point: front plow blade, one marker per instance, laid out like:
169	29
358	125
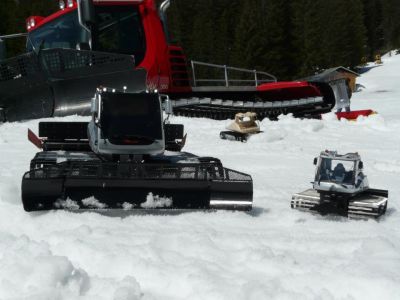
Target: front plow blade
136	186
371	203
60	82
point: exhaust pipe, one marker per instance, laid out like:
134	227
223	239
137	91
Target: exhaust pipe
163	15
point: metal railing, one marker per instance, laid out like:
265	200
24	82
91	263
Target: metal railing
226	81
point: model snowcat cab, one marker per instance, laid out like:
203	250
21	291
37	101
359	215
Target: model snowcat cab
244	125
121	160
340	173
91	43
340	186
126	124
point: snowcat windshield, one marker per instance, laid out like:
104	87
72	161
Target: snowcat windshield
338	171
127	119
63	32
118	30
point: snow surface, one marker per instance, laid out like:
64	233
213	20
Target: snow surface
271	253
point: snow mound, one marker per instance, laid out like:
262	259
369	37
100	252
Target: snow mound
30	270
67	204
93	203
156	201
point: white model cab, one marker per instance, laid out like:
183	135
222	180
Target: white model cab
341	187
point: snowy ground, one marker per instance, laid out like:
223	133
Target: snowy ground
271	253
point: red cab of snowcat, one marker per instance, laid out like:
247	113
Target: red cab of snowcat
165	64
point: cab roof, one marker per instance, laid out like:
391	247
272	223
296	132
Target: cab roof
335	155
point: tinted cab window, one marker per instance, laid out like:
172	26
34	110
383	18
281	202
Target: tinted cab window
63	32
119	30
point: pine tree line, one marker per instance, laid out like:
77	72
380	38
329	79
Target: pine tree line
289	38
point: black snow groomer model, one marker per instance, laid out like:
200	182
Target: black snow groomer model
126	157
341	187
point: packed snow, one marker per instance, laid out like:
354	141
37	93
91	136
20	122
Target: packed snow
155	201
273	252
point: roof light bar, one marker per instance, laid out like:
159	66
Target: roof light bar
33	22
61	4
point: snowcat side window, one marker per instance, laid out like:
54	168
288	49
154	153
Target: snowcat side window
338	171
63	32
119	30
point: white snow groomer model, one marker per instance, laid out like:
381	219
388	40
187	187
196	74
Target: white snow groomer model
341	187
119	161
242	128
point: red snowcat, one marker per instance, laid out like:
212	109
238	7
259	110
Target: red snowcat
92	43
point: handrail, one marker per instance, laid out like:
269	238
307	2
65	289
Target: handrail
226	80
12	36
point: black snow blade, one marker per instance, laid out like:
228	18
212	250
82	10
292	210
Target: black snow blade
88	185
59	82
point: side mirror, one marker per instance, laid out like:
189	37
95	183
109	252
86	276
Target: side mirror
94	106
169	110
86	12
315	161
360	165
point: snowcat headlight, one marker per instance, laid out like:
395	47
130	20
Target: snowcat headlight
30	23
70	3
61	3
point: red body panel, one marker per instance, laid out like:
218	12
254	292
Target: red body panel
353	115
286	90
34	139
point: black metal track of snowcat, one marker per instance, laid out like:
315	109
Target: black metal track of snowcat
223	113
222	105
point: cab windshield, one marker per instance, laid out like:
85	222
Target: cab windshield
118	30
132	118
63	32
337	171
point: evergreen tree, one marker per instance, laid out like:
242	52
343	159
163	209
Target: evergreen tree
373	21
275	39
8	9
248	49
313	51
391	23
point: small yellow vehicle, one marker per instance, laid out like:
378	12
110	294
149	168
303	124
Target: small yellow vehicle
245	125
